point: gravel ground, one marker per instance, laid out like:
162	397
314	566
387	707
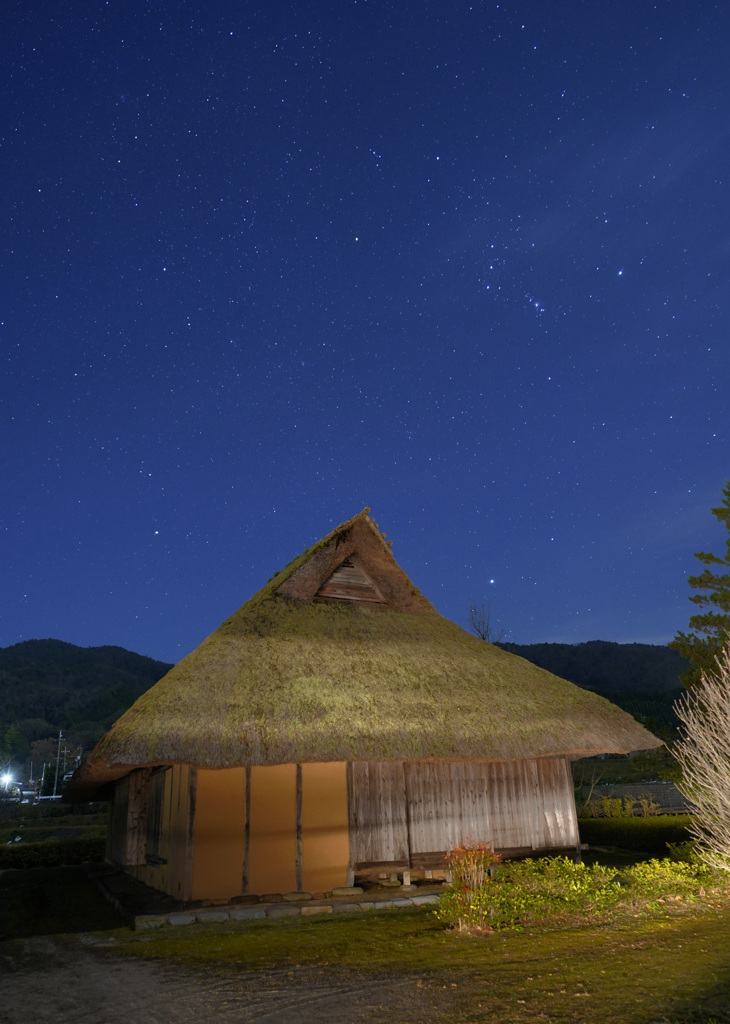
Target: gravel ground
60	980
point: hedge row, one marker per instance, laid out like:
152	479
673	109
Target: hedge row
645	835
32	834
55	852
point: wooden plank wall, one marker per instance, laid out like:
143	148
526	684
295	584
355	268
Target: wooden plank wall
157	874
178	835
378	813
172	868
139	787
128	824
447	804
412	814
116	843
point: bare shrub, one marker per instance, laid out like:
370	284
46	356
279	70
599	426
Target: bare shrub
704	756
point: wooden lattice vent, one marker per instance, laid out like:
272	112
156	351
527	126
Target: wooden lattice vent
349	583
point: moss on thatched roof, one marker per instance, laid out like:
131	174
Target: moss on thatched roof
290	678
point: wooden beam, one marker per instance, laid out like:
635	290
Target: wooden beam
375	866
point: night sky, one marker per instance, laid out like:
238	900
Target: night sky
266	264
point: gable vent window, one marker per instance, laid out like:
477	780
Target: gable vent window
349	583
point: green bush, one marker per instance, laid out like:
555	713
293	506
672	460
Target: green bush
646	835
82	850
683	852
472	862
655	880
555	888
530	890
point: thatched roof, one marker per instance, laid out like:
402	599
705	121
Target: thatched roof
340	657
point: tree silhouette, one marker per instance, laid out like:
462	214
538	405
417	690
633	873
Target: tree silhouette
711	627
480	623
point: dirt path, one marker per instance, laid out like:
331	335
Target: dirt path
60	981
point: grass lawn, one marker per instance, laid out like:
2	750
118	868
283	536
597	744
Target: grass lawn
665	966
649	968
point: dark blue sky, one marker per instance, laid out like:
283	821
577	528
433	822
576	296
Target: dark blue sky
265	264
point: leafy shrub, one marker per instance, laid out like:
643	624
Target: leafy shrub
555	889
620	807
683	852
648	835
656	880
81	850
531	890
472	863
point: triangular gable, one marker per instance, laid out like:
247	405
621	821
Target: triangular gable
373	575
350	583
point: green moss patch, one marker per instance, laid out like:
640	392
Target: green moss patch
643	969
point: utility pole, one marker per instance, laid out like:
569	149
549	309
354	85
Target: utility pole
58	758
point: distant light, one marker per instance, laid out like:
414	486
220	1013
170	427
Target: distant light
6	779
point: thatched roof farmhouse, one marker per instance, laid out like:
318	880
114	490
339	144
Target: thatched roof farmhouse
337	725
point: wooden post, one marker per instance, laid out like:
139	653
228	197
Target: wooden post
350	825
298	874
246	832
187	884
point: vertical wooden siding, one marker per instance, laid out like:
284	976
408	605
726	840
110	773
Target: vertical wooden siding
378	813
130	817
116	840
128	834
177	832
172	874
398	812
446	803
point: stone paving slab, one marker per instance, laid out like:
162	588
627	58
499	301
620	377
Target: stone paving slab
246	914
130	896
210	916
181	918
278	911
